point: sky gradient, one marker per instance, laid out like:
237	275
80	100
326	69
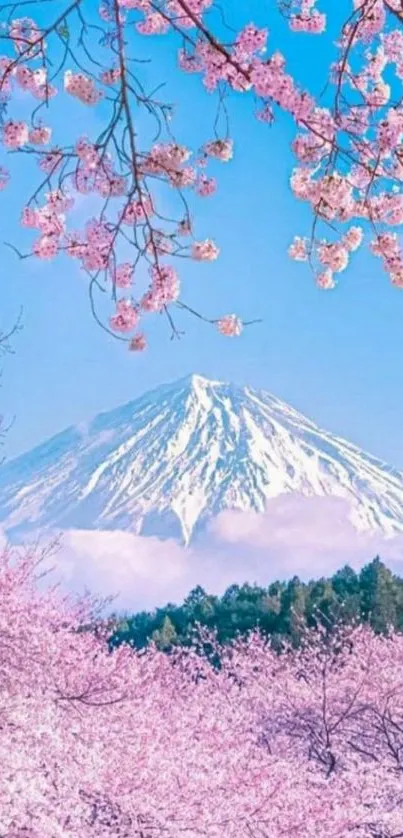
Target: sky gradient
336	357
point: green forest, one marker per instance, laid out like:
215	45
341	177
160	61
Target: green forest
281	611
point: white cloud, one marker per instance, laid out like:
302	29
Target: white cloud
140	570
310	537
307	536
290	520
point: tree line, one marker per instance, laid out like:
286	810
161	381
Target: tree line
282	610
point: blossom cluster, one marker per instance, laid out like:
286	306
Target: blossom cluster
348	148
366	136
303	16
302	742
104	169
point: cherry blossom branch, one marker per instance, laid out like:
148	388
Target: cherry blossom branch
348	152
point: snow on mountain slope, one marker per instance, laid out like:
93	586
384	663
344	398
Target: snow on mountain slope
168	461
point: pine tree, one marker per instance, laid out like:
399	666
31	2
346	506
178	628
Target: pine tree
378	596
166	636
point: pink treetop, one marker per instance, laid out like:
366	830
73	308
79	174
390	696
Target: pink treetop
307	744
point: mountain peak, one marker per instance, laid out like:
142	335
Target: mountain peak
167	462
196	380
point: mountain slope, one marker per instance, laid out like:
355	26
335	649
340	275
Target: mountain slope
182	453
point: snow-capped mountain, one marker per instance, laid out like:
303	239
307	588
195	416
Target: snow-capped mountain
170	460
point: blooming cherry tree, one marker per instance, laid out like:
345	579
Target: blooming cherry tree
348	149
304	744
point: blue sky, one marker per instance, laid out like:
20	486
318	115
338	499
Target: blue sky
338	357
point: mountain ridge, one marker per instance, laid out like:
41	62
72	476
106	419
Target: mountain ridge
168	461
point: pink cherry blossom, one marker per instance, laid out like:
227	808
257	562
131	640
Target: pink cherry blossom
59	201
126	317
184	227
189	63
205	251
110	76
29	217
40	135
82	87
220	149
396	278
325	280
298	249
25	35
353	238
265	114
49	221
24	77
206	185
313	22
164	289
76	245
123	275
141	5
249	41
138	343
230	325
50	162
46	247
334	255
153	24
15	134
110	185
138	210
